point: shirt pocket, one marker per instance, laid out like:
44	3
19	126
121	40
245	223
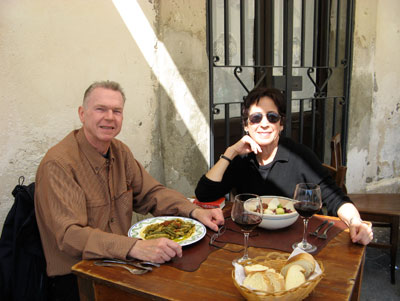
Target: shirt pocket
123	203
123	210
98	211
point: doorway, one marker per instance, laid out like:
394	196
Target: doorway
302	47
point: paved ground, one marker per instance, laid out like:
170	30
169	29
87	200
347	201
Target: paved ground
376	283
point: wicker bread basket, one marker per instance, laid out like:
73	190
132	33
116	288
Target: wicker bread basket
277	261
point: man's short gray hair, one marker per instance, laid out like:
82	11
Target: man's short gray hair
107	84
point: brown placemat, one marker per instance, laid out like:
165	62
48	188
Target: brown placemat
281	239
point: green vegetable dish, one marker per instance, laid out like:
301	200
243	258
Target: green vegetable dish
175	229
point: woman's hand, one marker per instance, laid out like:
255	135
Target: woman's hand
246	145
360	232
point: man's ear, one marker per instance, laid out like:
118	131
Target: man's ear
81	113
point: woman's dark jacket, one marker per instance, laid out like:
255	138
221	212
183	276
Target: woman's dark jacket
293	163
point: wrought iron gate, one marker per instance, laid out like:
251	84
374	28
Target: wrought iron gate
302	47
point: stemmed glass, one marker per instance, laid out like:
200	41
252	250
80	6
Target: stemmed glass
247	213
307	198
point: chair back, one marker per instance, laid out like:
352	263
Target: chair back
338	175
336	151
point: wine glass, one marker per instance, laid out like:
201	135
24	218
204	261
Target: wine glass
247	212
307	198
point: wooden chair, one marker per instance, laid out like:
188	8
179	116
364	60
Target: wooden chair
338	175
336	151
337	169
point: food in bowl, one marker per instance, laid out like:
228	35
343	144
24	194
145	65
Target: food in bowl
274	206
278	221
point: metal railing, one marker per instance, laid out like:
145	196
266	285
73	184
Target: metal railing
310	61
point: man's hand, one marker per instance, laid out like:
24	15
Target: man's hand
360	232
212	218
158	250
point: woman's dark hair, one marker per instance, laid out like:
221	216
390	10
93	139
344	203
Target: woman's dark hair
254	98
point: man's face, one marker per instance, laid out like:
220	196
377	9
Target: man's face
102	117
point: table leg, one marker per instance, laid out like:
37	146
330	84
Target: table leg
394	236
86	290
355	296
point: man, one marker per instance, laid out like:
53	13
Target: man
86	189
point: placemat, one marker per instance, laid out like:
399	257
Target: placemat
281	239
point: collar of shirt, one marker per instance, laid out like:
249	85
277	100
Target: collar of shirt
283	152
96	160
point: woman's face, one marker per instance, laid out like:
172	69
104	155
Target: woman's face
265	132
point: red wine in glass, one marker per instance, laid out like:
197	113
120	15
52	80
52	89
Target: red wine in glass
307	209
247	212
248	222
307	197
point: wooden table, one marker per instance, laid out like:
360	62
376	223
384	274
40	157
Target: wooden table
343	262
382	209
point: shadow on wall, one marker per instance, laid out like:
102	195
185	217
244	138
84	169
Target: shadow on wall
183	82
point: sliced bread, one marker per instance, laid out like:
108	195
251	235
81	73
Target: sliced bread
305	260
258	281
294	277
248	269
277	280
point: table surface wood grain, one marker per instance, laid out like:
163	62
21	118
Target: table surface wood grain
343	262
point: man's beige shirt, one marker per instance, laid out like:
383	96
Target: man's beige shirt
84	202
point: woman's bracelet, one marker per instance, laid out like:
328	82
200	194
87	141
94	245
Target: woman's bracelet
226	158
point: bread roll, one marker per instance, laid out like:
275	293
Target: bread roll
294	277
305	260
258	281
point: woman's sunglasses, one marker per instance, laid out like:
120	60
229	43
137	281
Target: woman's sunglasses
272	117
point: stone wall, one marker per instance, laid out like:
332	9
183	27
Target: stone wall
374	148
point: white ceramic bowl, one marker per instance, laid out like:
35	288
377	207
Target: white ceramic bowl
278	221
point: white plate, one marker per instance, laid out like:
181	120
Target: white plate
199	232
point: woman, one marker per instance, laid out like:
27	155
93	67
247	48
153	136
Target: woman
265	163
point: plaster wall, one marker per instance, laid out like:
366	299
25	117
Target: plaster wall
183	95
50	52
374	148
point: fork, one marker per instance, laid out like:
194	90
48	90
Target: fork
131	270
323	235
315	233
140	265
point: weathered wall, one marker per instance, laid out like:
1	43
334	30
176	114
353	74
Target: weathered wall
183	92
50	51
374	148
